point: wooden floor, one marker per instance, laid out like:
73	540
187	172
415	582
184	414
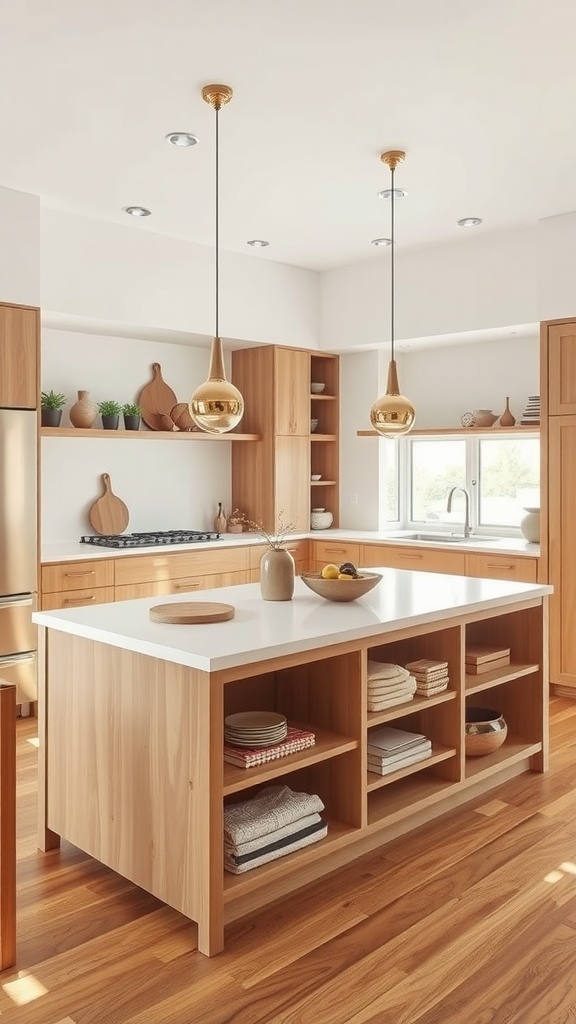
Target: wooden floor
472	920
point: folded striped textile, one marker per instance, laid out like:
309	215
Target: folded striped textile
313	834
385	670
271	808
432	677
406	686
280	833
380	704
426	666
429	691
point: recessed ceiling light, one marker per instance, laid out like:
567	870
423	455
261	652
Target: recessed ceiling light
182	139
469	222
381	241
386	193
137	211
258	243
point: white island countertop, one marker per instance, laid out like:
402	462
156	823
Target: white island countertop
270	629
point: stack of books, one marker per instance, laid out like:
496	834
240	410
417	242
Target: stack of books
390	749
249	757
531	416
431	676
481	658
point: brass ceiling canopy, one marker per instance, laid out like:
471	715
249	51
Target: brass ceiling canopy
392	414
217	406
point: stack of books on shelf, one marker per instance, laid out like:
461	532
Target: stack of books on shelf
431	676
481	658
531	415
250	757
275	822
390	749
388	685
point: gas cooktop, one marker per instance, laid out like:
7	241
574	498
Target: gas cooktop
148	540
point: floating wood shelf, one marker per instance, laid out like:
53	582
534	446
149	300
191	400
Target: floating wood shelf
435	431
157	435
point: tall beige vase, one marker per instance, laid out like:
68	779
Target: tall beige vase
84	411
277	575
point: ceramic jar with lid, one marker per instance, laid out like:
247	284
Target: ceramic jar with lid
320	519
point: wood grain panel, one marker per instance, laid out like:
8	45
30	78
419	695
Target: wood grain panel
291	392
292	481
175	565
19	343
7	826
77	598
186	584
502	567
561	552
336	551
562	369
62	576
421	559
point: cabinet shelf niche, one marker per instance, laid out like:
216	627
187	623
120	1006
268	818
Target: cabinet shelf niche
406	797
513	749
416	704
328	744
439	753
485	681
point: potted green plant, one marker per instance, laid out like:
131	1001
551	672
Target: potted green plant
132	414
51	405
110	413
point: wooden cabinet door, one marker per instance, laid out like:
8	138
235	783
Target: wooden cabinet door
292	481
19	330
292	392
562	549
502	567
562	369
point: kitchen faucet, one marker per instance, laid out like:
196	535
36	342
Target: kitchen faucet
467	501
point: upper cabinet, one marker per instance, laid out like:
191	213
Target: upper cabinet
19	334
292	400
560	353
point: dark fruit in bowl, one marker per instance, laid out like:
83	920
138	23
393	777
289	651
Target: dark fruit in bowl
348	569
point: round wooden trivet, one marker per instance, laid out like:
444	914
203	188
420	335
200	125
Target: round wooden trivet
192	611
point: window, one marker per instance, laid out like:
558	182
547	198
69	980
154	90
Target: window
501	475
389	474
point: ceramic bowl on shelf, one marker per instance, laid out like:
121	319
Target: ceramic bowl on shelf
320	519
341	590
316	388
316	476
313	425
485	731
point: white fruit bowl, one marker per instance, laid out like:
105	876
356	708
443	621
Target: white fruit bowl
341	590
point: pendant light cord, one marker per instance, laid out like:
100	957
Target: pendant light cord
392	247
217	108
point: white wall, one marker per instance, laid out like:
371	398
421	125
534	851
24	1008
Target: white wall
19	247
131	276
165	484
359	456
442	383
556	263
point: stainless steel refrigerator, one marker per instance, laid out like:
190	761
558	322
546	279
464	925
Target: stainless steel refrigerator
18	551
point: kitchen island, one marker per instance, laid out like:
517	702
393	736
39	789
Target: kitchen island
131	726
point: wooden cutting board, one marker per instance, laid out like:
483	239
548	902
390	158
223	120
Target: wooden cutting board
109	514
156	400
180	414
192	612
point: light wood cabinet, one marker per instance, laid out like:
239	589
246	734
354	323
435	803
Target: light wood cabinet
335	551
272	479
185	585
175	565
561	369
19	340
420	559
77	598
502	567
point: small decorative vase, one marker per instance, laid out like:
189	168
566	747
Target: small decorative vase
507	419
110	422
484	418
131	422
83	412
220	520
277	575
50	417
530	525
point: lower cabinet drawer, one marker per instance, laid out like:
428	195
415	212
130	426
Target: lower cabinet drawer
502	567
419	559
77	576
324	551
135	569
77	598
158	588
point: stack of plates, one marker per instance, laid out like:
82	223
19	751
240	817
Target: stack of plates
255	729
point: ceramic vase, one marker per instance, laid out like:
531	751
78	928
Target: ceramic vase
530	525
220	520
83	413
277	575
320	519
507	419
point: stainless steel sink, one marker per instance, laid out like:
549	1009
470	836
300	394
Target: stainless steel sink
449	538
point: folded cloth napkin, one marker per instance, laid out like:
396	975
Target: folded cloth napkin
406	686
379	704
385	670
240	849
271	808
314	833
429	691
432	677
426	666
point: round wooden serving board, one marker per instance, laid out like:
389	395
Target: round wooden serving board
109	514
188	612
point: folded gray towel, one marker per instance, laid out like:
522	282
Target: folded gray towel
271	808
240	849
319	832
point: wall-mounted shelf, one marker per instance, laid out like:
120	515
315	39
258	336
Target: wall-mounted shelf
157	435
435	431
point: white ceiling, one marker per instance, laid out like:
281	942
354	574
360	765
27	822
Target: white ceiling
481	94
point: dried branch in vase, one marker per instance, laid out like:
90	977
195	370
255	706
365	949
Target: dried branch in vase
274	540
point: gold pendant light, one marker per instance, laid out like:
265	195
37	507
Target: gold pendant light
216	406
392	414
